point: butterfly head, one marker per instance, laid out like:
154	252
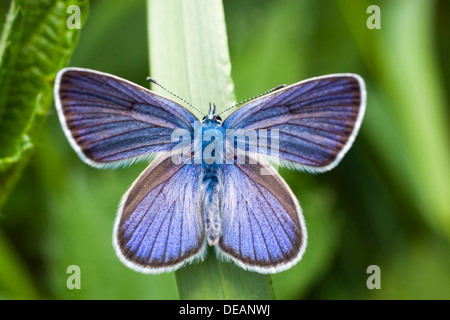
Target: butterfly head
212	117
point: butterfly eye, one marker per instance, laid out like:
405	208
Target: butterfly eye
219	118
203	119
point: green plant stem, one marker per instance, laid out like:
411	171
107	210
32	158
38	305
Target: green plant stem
189	54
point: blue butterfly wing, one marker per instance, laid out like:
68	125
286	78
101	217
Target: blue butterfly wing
317	120
159	226
111	121
263	226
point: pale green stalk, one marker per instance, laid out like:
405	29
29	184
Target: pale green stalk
189	54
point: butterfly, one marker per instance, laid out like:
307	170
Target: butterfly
240	206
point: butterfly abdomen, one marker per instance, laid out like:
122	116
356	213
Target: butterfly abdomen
211	198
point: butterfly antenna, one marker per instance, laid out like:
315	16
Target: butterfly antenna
167	90
249	99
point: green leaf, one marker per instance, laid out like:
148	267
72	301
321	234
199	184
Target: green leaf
35	44
189	54
410	118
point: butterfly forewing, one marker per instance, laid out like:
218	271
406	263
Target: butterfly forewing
316	120
111	121
158	227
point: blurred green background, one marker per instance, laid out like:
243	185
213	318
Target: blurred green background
386	204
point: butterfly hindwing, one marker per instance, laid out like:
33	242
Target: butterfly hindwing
263	226
316	119
110	121
159	226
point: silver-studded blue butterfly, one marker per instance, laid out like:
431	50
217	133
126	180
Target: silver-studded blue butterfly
175	209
